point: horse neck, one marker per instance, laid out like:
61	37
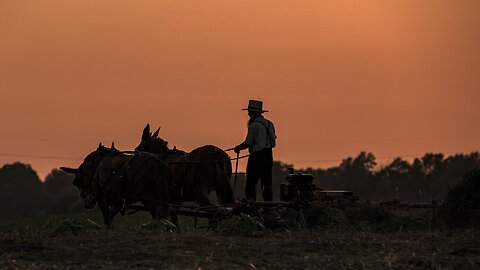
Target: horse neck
108	154
98	159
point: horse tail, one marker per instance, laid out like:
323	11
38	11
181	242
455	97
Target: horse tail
223	187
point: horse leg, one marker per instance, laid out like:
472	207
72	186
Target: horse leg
199	187
113	211
222	185
201	197
162	212
157	211
107	215
152	208
174	218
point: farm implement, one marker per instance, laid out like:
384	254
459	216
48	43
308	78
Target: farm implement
297	193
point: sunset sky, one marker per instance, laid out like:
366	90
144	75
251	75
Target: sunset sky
394	77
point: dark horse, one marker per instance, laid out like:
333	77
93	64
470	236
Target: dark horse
114	180
195	174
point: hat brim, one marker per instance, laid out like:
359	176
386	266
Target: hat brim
253	110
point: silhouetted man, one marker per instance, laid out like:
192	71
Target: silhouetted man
260	141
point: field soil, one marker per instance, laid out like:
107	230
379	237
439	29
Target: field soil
154	249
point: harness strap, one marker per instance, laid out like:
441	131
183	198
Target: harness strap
268	132
125	167
95	167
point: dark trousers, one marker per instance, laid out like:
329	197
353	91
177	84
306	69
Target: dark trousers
259	167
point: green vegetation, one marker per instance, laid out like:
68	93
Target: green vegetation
352	219
260	222
241	225
90	222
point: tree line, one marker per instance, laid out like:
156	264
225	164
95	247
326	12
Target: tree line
23	194
424	179
427	178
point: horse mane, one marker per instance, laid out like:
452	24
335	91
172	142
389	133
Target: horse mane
175	152
101	152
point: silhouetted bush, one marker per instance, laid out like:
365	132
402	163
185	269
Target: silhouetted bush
462	204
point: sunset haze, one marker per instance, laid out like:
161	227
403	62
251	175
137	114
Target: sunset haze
396	78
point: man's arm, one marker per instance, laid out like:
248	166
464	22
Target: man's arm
252	130
241	147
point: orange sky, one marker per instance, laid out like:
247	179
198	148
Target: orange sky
396	77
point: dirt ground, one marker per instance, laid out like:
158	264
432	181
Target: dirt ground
153	249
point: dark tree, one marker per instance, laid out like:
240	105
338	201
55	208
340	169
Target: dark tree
392	180
57	181
425	179
62	195
21	192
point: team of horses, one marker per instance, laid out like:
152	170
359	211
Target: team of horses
153	175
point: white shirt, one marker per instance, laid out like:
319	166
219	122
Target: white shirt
258	138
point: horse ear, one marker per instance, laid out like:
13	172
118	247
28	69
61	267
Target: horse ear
146	133
69	170
113	146
100	146
155	134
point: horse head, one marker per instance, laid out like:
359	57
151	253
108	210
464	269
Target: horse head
82	182
152	143
84	175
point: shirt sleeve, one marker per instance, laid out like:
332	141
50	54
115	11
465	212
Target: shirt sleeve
272	127
252	131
